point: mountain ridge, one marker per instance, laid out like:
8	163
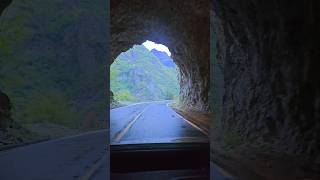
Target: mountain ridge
163	56
140	75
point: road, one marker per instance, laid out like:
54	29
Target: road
77	157
152	122
155	122
84	156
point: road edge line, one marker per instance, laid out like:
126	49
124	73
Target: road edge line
192	124
93	169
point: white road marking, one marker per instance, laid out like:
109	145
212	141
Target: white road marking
149	102
93	169
120	134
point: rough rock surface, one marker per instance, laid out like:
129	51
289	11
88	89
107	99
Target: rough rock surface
266	85
183	26
5	107
4	4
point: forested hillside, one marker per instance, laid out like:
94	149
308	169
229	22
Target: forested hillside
52	61
142	75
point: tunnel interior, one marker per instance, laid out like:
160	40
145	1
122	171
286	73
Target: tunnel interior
263	71
184	30
264	80
264	85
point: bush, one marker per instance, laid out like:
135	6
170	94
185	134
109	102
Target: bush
50	106
124	96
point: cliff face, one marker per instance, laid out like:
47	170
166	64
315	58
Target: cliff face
139	75
183	26
265	80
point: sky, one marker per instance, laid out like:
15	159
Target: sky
160	47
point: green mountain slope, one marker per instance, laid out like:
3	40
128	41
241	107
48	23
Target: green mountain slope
52	60
138	75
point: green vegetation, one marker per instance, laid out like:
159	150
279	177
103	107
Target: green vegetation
139	75
124	95
50	106
41	65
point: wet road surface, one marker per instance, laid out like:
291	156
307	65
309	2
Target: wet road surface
155	122
76	157
152	122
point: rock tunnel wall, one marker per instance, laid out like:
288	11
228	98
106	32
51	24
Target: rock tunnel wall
265	78
183	26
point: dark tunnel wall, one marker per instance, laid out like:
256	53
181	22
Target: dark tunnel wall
265	78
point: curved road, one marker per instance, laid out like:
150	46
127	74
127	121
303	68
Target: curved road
151	122
84	156
76	157
155	122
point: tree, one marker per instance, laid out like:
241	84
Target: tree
169	95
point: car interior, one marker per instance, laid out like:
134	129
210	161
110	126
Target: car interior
173	161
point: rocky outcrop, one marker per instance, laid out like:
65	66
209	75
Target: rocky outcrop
183	26
11	132
3	5
266	85
113	102
5	115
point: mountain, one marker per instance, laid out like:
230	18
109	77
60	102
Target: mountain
164	58
142	75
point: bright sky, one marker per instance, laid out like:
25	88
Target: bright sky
160	47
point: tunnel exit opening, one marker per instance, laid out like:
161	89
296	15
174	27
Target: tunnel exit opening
188	40
144	73
154	134
144	86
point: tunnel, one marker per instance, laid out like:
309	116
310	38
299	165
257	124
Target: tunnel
184	30
264	86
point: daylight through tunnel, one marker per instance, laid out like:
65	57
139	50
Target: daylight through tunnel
184	30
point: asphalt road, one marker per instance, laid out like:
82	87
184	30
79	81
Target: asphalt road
155	122
85	156
77	157
152	122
